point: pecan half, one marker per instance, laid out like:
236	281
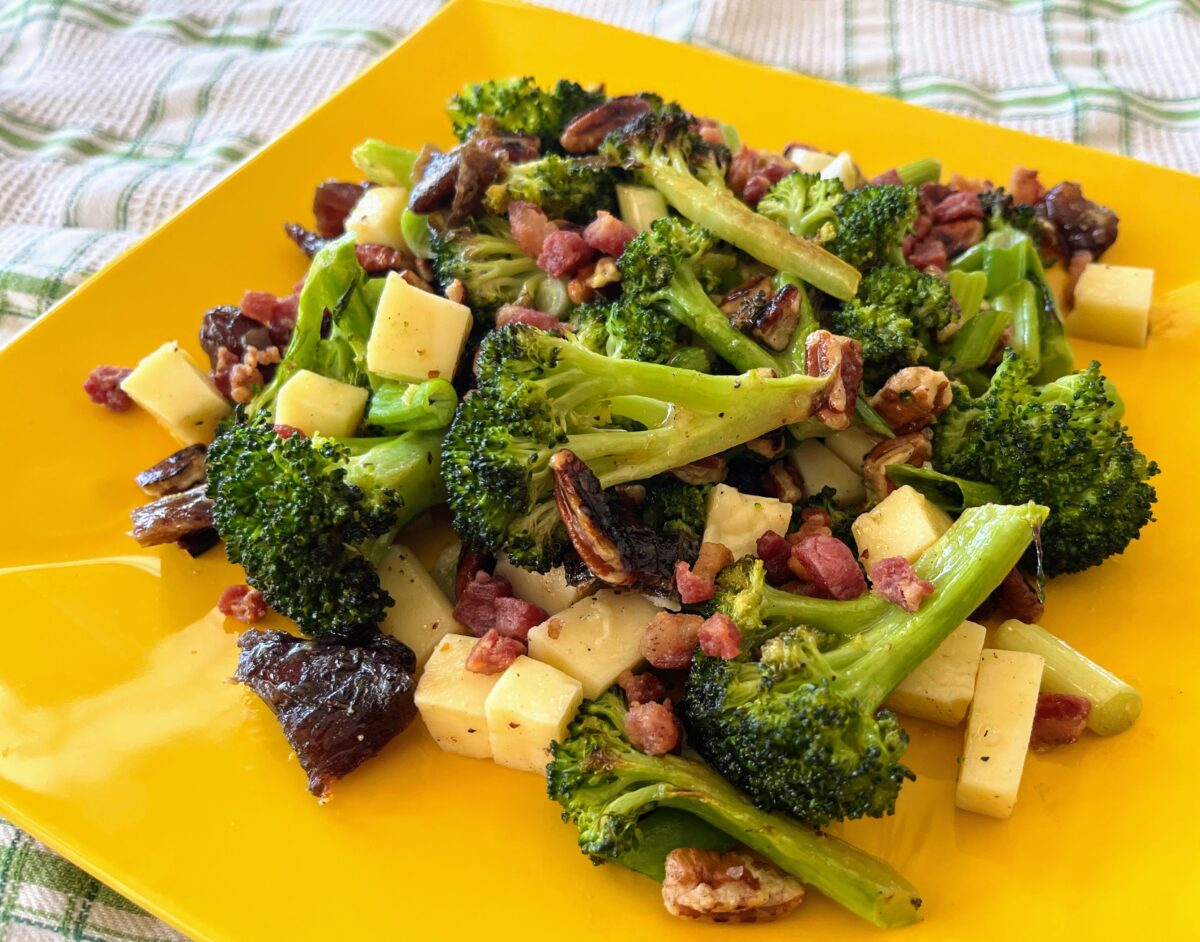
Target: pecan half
732	887
840	359
913	398
585	131
710	470
913	448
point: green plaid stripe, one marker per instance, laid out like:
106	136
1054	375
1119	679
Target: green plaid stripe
76	173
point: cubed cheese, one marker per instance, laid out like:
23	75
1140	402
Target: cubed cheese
528	709
595	639
375	218
851	445
316	404
1112	305
737	520
451	699
902	524
842	168
940	689
819	468
422	616
416	335
997	741
549	591
170	386
809	161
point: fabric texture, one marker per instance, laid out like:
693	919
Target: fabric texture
113	115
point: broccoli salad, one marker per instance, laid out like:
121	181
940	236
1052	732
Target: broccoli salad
747	456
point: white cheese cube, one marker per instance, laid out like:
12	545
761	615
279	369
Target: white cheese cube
316	404
422	616
902	524
819	468
997	741
416	335
169	385
852	445
375	218
451	699
941	687
528	709
547	590
1112	305
842	168
809	161
595	639
737	520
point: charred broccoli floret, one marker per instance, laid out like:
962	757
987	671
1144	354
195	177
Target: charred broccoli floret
872	222
490	265
564	188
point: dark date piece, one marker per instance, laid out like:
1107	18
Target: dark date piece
338	704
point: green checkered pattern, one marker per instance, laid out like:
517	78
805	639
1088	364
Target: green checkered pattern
113	115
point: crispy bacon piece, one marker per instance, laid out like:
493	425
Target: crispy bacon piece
828	563
895	580
670	639
493	653
888	176
515	314
1060	720
839	358
645	687
913	397
103	387
652	727
608	235
530	227
470	564
926	254
719	637
287	431
177	472
245	604
733	887
338	704
486	603
698	583
752	172
1025	188
775	551
958	206
959	235
563	253
586	130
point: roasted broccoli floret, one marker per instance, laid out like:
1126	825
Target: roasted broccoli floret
872	222
490	265
519	106
895	317
672	507
628	421
801	730
564	188
1062	445
307	518
606	786
664	152
805	204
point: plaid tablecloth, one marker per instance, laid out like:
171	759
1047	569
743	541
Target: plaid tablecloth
113	115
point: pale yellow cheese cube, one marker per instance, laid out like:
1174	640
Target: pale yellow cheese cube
451	699
417	335
318	405
809	161
528	709
852	445
169	385
737	520
819	468
549	591
422	615
1112	305
595	639
375	218
842	168
998	729
902	524
941	687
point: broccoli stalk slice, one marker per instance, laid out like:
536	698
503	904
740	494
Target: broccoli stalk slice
925	170
605	787
965	564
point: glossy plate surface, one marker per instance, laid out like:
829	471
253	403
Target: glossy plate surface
123	748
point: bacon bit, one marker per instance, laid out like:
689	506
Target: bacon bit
1079	261
840	359
470	564
926	254
515	314
775	552
564	253
652	728
670	639
456	291
1025	187
692	588
103	387
1018	599
608	235
376	258
895	580
642	688
780	482
1059	720
752	172
530	227
493	653
889	177
719	637
287	431
828	563
245	604
815	520
957	236
476	607
515	617
913	397
913	448
958	206
713	557
332	202
733	887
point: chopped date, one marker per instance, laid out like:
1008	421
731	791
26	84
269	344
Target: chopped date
242	602
173	517
225	326
338	704
103	387
775	551
177	472
332	202
515	314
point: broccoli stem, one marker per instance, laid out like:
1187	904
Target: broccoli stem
1115	704
715	208
867	886
408	464
925	170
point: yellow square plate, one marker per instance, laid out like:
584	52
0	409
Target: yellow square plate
122	747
